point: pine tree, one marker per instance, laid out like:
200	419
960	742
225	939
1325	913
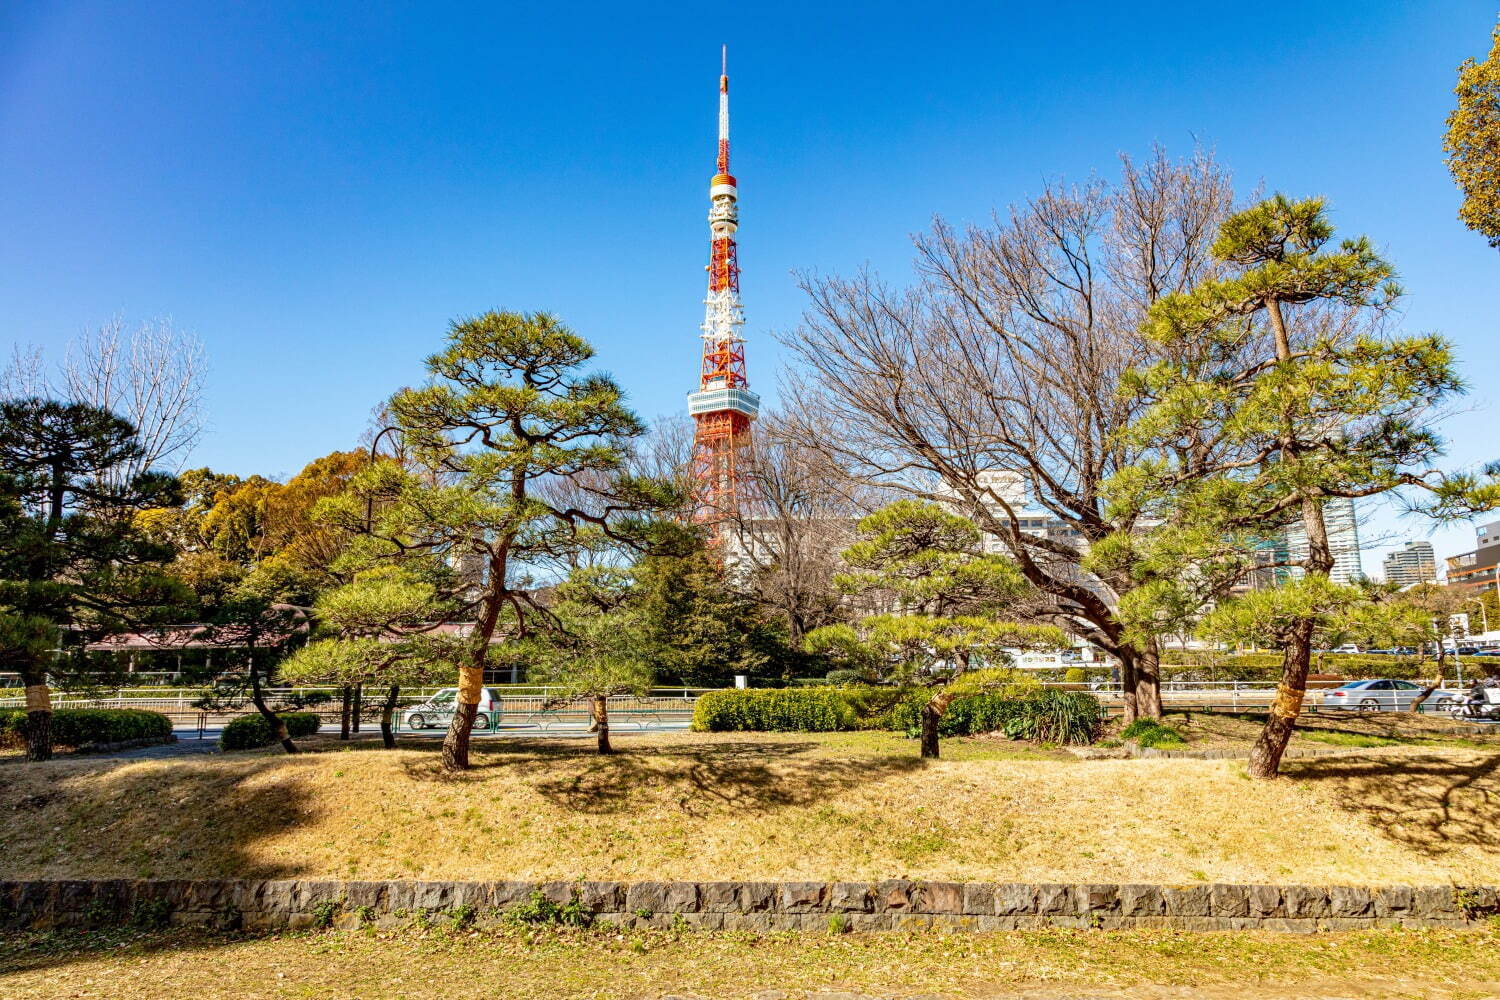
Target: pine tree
73	566
1292	395
506	410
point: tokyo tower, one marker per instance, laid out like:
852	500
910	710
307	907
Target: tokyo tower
723	406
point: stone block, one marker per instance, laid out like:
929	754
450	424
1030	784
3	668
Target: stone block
557	892
979	898
1393	900
1349	901
1289	925
1436	902
1141	901
472	894
1014	898
1263	900
308	894
1096	899
1305	902
432	896
757	922
510	893
1229	900
939	897
893	895
800	897
1055	900
602	897
646	897
1187	900
680	897
758	897
274	897
718	897
849	897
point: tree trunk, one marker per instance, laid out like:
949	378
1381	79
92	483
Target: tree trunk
932	714
278	728
1148	683
601	722
1128	694
456	743
38	717
347	693
387	716
359	706
1265	756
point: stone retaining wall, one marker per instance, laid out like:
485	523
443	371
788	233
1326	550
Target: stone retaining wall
855	906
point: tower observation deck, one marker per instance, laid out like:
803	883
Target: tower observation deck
723	407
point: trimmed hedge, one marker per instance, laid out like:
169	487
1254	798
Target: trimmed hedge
251	731
774	710
1046	715
77	727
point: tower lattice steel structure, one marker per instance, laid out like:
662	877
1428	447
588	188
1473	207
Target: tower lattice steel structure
723	407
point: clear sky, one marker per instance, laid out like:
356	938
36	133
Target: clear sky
315	189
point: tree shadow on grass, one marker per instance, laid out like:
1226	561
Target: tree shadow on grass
1431	803
708	775
185	817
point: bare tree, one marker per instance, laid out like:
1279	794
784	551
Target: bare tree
798	515
151	376
992	383
25	373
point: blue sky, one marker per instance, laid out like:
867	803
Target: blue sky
316	189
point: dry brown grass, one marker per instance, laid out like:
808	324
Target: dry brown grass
1144	965
728	806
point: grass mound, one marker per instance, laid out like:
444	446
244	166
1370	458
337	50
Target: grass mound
754	806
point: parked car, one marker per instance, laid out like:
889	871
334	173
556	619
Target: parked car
1347	647
437	712
1377	695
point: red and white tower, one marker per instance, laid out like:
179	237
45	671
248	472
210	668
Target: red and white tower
723	406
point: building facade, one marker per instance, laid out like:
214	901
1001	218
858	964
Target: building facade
1342	522
1476	569
1411	564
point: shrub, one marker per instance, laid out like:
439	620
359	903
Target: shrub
1075	675
774	710
843	678
1045	715
251	731
1152	734
76	727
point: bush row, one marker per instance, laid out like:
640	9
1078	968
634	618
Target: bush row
1046	715
76	727
251	731
774	710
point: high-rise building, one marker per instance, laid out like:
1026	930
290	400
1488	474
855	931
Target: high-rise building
723	406
1343	540
1412	563
1476	569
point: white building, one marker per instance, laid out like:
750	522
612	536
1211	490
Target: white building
1343	539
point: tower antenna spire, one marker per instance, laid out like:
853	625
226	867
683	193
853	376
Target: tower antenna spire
723	406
